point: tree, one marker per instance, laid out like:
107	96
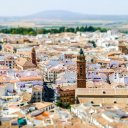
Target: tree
91	29
61	29
33	31
59	104
63	105
82	29
70	30
93	43
77	29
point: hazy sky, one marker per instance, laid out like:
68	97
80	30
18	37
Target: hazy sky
25	7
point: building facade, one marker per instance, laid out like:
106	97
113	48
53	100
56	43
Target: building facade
66	95
123	47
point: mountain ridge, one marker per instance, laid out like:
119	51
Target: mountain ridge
70	15
64	15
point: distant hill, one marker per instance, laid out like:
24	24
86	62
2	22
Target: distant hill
53	16
58	15
68	15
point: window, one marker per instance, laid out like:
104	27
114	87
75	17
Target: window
115	102
80	71
34	94
104	92
92	102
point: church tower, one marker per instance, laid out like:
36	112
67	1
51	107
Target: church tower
33	56
81	70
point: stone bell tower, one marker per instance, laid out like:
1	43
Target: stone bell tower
33	56
81	70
